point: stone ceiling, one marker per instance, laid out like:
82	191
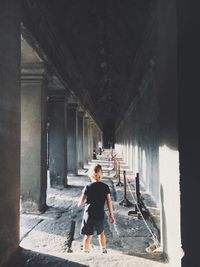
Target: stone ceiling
93	45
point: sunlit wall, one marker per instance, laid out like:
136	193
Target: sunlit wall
170	203
150	125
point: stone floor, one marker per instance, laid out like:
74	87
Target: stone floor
44	237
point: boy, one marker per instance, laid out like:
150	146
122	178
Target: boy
95	194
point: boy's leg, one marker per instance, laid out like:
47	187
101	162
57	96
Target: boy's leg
102	242
86	242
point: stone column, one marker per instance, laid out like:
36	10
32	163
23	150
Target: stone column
96	138
33	138
57	137
101	137
90	140
85	145
80	139
72	134
9	127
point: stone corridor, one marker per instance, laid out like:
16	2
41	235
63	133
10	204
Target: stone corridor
44	236
76	74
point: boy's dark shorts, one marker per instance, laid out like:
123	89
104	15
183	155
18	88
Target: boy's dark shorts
90	225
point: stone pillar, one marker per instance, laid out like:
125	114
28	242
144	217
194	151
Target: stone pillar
10	127
85	145
72	134
131	156
101	138
57	137
90	140
128	155
80	139
33	138
96	135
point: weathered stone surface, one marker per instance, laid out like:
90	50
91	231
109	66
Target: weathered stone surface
57	137
33	138
72	135
9	126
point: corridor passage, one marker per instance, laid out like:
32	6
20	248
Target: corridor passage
44	236
80	76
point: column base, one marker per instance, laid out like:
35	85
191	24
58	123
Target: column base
70	174
32	207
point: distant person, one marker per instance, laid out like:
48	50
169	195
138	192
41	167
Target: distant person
100	147
94	155
94	195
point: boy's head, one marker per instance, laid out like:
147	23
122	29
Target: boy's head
95	172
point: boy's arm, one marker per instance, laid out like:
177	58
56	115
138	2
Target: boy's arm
110	208
81	200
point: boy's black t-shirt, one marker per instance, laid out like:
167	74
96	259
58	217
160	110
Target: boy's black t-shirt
96	193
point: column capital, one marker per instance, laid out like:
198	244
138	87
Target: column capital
86	117
72	105
73	100
81	113
31	72
92	123
57	96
